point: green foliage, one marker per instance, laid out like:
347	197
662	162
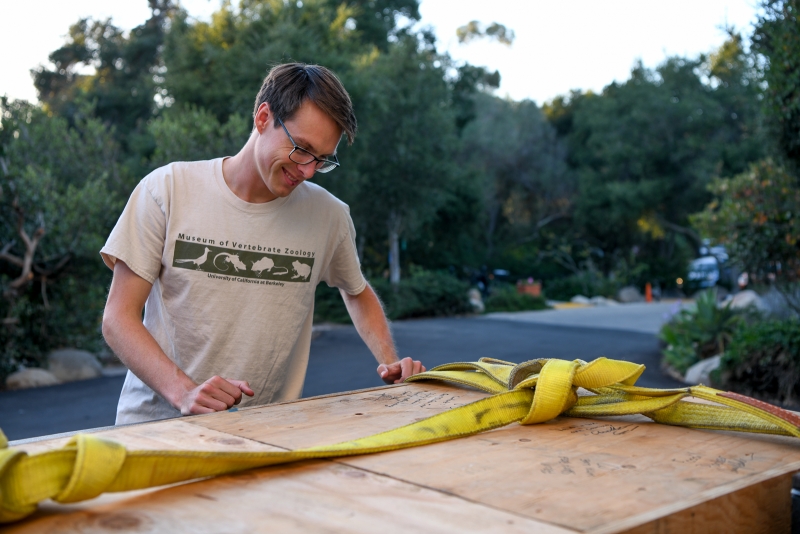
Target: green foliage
763	360
219	65
123	86
693	335
423	294
777	39
58	200
192	134
756	215
406	147
505	297
475	30
519	166
329	306
589	283
644	151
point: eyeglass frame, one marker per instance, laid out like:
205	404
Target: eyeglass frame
334	161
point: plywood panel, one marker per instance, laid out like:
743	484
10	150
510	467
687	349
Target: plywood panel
756	509
578	473
164	435
335	418
173	434
319	496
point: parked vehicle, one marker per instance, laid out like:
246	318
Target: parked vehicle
703	273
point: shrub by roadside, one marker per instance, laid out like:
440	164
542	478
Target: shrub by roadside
423	294
694	335
329	306
763	360
505	297
589	284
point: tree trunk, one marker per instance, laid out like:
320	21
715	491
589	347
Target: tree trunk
394	248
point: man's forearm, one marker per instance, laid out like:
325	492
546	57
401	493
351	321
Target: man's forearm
370	321
133	344
140	353
136	347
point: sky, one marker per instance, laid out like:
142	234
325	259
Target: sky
559	45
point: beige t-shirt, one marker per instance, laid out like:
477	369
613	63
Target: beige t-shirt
233	282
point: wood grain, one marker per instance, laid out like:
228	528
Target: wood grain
318	496
580	474
569	475
331	419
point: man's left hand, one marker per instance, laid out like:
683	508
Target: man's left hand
395	373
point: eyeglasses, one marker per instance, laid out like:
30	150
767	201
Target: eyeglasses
301	156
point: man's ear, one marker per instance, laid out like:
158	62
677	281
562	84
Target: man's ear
263	117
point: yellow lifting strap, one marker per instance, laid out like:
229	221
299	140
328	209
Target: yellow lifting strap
531	392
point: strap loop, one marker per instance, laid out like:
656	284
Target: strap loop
97	463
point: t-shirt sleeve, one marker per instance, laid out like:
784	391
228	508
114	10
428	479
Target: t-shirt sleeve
344	270
139	235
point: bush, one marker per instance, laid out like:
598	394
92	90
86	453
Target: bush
506	298
695	335
587	283
423	294
329	306
763	360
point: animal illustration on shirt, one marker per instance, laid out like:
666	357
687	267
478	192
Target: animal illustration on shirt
198	261
232	259
302	269
266	264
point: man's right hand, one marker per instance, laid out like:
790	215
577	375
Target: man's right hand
214	395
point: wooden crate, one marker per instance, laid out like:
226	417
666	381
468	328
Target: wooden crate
569	475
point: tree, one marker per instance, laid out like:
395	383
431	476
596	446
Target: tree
126	69
755	215
57	204
646	149
186	133
777	40
522	169
219	65
404	162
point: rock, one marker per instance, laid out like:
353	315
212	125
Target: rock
72	364
476	301
629	294
580	299
700	373
31	378
602	301
747	298
776	305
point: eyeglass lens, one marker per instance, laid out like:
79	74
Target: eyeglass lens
303	157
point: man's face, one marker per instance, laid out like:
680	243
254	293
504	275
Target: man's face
310	127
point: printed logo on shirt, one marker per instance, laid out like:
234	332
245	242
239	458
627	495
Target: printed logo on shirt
239	264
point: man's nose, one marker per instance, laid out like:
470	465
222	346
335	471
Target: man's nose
307	169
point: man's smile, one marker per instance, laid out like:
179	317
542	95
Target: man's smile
290	180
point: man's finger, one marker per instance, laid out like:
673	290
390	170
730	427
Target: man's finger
221	390
209	402
383	370
406	366
243	386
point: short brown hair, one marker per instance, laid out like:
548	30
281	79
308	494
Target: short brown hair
288	85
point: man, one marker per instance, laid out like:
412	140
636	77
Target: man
224	257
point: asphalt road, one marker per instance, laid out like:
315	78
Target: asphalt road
340	362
